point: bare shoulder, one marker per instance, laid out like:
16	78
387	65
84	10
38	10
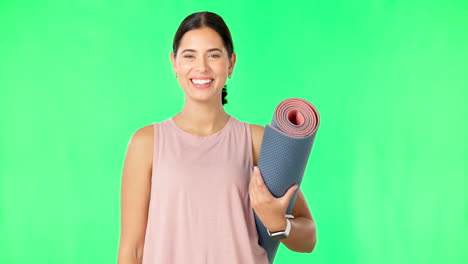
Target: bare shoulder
257	137
141	144
144	133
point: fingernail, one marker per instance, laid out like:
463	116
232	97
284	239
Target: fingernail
256	169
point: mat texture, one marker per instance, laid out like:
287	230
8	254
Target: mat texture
285	150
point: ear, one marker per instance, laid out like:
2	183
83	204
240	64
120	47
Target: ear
174	67
232	62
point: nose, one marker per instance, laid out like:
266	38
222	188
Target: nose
202	64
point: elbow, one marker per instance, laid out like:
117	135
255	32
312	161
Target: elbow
139	255
311	247
130	255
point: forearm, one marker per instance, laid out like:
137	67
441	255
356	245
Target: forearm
303	235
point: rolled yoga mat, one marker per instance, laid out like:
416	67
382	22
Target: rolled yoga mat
284	153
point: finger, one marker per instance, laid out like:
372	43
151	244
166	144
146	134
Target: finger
253	182
256	169
289	194
259	193
252	194
258	176
258	181
262	190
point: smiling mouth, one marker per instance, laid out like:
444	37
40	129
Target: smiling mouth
201	81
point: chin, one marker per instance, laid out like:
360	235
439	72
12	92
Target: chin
203	98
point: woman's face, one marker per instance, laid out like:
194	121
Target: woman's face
202	64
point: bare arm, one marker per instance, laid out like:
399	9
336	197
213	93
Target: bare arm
135	195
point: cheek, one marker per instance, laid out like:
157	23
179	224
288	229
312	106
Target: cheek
184	68
220	68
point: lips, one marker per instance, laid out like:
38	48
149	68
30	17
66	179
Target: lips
202	82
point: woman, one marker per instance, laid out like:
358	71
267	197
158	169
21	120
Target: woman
189	183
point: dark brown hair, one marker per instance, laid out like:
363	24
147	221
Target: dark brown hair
205	19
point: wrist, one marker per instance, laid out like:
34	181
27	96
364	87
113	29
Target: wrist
279	225
281	231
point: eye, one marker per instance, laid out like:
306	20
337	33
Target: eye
188	56
214	56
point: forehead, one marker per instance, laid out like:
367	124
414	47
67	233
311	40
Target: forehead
201	39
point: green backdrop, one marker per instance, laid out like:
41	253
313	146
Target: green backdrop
386	180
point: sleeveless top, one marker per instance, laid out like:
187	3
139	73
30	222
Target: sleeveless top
199	210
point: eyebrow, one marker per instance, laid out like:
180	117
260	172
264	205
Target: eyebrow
195	50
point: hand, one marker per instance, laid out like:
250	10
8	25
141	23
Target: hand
269	209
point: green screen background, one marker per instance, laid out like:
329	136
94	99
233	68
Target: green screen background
386	179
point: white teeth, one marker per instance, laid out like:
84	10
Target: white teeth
201	81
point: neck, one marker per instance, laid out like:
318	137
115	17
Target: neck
201	118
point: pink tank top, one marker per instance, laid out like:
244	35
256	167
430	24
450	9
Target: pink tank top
200	211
